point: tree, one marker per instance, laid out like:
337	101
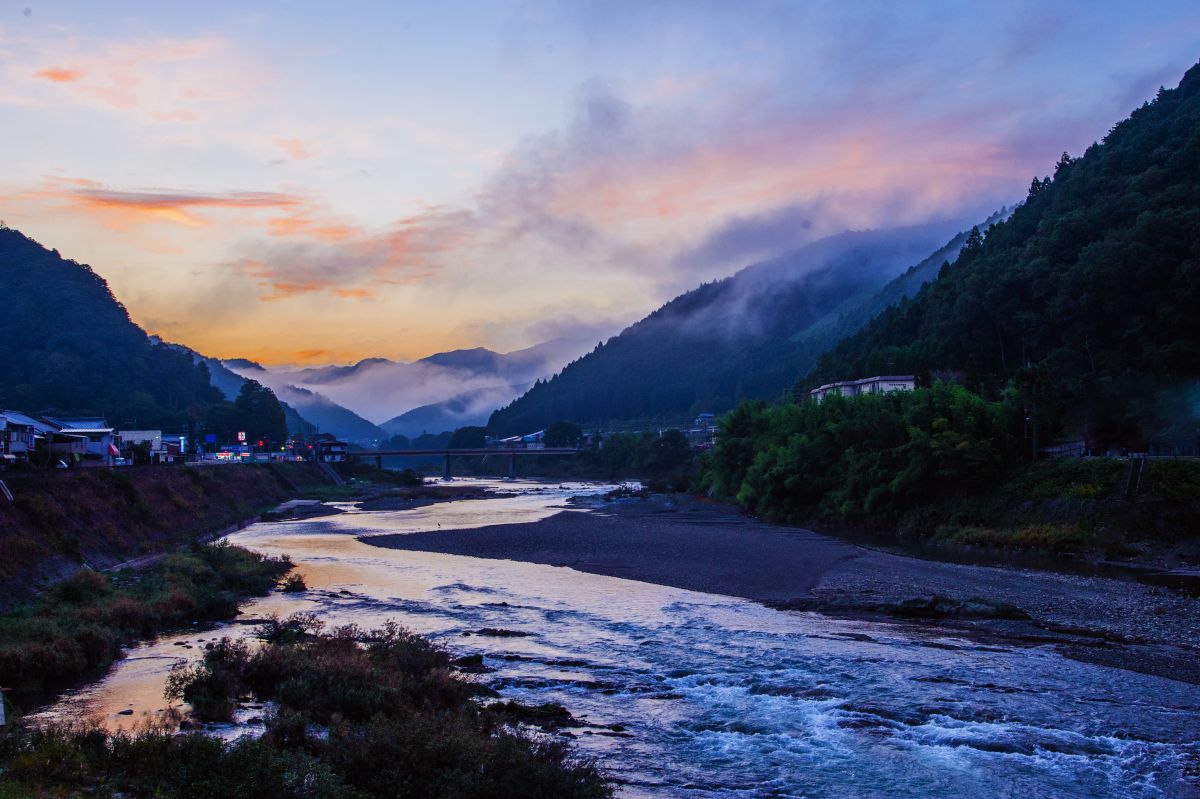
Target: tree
468	438
260	415
563	434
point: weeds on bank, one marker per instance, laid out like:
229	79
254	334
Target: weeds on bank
79	625
356	714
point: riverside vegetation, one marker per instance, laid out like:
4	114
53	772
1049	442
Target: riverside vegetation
77	627
942	464
355	714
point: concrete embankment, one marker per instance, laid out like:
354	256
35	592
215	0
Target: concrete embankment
61	521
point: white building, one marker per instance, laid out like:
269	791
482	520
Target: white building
151	437
880	384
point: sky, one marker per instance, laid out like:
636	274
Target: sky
311	183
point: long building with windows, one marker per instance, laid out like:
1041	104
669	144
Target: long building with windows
880	384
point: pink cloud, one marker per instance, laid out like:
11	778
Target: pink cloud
296	149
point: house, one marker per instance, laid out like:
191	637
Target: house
328	449
102	444
331	451
18	436
705	420
880	384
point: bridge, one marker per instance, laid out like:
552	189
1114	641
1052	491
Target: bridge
512	453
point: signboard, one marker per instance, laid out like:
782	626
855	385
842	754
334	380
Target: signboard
242	436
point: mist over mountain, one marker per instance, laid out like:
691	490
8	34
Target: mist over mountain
1085	297
470	410
749	335
452	388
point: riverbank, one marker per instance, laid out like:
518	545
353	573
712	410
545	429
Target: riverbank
61	521
688	543
79	626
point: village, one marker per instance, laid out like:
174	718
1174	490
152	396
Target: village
29	441
47	442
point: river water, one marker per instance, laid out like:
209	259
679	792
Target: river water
717	696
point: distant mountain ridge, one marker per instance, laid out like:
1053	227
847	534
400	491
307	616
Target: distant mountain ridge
749	335
442	391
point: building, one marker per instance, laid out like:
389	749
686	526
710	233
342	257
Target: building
328	449
19	435
705	421
880	384
154	438
102	444
175	445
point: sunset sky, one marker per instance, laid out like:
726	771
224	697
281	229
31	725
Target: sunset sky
321	182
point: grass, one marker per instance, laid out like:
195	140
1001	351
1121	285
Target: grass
1175	479
1064	506
78	626
1045	537
1066	479
356	714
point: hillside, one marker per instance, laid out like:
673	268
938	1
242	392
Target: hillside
470	410
230	383
330	417
61	521
746	336
1085	298
67	345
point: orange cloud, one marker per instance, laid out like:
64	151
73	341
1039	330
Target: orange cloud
120	209
301	224
60	74
327	255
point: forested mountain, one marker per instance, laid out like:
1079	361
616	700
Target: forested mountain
470	410
68	346
230	383
329	417
1084	301
746	336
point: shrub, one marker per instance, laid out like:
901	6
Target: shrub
80	624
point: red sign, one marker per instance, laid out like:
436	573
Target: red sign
242	436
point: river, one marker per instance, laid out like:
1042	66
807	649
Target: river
715	696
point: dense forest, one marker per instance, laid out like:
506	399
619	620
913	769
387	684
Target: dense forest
1083	302
849	458
746	336
68	346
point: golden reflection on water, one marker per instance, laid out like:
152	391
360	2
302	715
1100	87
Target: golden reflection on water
331	559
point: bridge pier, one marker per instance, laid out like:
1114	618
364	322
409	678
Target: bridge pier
512	467
378	461
446	474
